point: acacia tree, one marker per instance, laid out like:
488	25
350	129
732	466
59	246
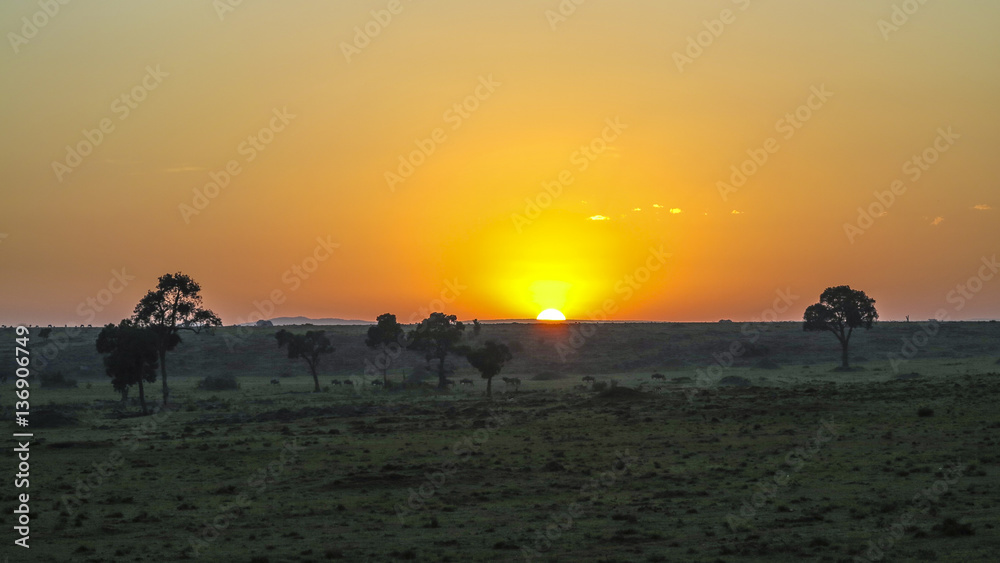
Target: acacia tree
841	310
131	357
174	305
489	360
307	346
384	334
437	336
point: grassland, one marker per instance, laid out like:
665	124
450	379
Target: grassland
804	464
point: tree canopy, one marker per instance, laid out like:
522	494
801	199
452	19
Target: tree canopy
174	305
383	334
489	361
841	310
437	336
309	346
130	356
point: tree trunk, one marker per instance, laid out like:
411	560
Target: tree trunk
489	387
312	368
385	367
142	398
162	353
844	361
441	384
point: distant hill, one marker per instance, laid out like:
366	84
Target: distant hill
281	321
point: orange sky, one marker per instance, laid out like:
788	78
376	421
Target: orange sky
616	108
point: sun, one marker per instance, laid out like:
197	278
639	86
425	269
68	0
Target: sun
551	315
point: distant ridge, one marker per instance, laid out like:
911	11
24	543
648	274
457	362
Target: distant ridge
282	321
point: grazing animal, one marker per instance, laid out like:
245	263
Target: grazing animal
466	382
377	383
514	382
275	382
348	382
658	376
448	381
588	379
334	382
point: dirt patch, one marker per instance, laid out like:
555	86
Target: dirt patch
735	381
548	376
48	418
622	394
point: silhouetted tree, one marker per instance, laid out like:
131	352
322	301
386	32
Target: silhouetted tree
131	357
307	346
489	360
476	327
384	334
44	333
841	310
174	305
437	336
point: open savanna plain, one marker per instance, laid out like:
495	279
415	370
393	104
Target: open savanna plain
785	460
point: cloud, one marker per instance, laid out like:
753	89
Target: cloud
676	210
937	221
599	218
657	206
637	209
982	207
735	212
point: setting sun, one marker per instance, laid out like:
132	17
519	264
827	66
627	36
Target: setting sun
551	315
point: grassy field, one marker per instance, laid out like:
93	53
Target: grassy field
794	462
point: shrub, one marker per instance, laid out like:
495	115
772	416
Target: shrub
57	381
950	527
224	382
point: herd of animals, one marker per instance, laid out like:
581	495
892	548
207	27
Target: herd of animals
514	382
510	382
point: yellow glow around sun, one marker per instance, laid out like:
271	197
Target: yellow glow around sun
551	315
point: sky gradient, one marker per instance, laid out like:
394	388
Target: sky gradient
499	158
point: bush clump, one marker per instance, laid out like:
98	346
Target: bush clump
57	381
224	382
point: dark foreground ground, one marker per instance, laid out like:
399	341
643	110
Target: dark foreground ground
805	464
